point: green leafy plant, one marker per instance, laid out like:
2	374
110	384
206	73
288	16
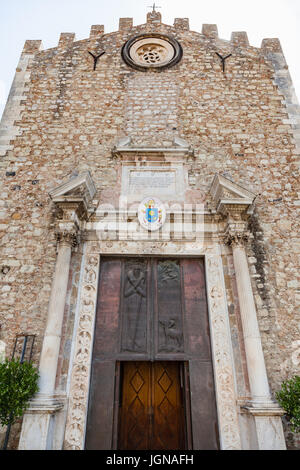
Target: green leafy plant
289	399
18	383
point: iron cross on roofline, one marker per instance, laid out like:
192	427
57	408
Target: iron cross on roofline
154	7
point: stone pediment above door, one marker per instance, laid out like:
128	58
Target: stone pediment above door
125	150
78	192
81	185
226	193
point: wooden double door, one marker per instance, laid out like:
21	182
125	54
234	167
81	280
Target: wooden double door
152	384
152	414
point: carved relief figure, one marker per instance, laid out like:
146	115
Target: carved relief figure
169	307
168	271
134	308
173	336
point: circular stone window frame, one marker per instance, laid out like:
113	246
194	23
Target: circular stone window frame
173	48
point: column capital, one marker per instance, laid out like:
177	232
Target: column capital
67	236
236	235
67	230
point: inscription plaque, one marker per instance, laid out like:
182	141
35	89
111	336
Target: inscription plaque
164	182
140	180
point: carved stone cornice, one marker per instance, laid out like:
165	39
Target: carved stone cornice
180	150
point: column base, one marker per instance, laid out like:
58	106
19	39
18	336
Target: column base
269	430
38	423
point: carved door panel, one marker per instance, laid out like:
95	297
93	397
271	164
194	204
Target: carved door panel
134	411
151	413
168	430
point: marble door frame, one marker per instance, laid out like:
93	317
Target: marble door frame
227	408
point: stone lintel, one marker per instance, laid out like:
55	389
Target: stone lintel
226	206
149	150
180	148
71	208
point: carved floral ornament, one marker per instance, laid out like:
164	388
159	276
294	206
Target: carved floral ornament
67	237
235	236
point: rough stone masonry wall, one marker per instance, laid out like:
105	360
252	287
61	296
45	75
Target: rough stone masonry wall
72	116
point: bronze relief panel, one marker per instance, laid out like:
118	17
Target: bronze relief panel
169	307
134	307
153	308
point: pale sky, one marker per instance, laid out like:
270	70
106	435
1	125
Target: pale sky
46	19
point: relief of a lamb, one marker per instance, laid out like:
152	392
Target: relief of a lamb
173	335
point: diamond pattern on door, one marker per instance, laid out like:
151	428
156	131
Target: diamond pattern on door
165	382
151	416
166	408
137	382
136	408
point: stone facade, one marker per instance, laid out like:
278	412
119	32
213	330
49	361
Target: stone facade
69	114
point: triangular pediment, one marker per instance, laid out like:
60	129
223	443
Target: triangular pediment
225	191
125	148
81	186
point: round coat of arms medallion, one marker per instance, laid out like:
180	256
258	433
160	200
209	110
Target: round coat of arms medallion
151	213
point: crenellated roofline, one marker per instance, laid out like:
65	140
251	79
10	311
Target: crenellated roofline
209	32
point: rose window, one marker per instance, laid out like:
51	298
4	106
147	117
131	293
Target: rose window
150	51
151	54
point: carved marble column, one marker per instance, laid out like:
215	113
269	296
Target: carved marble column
237	236
38	422
50	350
235	203
71	200
266	412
